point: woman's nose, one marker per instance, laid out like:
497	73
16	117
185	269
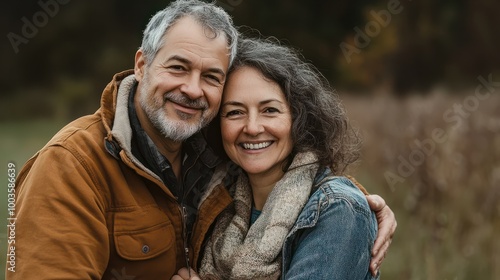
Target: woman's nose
253	126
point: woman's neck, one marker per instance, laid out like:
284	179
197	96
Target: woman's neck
262	185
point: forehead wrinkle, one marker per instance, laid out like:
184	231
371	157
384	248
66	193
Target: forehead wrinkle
199	49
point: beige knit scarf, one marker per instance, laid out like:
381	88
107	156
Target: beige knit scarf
237	250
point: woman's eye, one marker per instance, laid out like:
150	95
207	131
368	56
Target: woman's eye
271	110
232	113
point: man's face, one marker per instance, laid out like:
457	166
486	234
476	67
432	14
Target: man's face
180	89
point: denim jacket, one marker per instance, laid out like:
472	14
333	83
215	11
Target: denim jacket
333	235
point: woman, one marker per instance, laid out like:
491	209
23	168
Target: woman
292	216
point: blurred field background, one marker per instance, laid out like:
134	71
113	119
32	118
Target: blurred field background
419	79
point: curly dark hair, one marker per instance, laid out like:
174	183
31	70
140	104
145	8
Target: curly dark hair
319	122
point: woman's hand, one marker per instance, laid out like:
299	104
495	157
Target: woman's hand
386	226
185	274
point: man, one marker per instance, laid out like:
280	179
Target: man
120	194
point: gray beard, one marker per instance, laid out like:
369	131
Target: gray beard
176	130
172	129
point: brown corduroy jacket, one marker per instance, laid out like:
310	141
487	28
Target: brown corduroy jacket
88	209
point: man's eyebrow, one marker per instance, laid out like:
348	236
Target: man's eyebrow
188	62
180	59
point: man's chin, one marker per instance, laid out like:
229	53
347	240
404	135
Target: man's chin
179	126
180	131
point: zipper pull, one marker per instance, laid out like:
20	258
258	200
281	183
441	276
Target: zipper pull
185	238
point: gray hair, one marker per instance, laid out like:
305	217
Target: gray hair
319	121
208	15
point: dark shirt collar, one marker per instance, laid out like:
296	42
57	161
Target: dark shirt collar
199	162
145	150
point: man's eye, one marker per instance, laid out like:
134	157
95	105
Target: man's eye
213	78
177	67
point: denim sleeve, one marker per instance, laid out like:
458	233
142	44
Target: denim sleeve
338	246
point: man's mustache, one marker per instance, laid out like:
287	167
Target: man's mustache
183	100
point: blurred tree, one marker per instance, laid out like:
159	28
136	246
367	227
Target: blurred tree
316	28
427	43
438	42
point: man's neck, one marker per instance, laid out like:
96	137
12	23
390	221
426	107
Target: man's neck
169	148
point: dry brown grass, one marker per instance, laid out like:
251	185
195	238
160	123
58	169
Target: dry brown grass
448	209
447	196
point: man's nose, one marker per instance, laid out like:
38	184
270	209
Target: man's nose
191	87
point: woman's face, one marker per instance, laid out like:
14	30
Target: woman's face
256	122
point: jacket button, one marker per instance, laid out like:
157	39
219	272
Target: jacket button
145	249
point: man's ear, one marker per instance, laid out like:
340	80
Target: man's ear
139	65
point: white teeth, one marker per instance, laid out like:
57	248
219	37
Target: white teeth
248	146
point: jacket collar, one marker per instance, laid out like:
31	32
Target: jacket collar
115	117
109	100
